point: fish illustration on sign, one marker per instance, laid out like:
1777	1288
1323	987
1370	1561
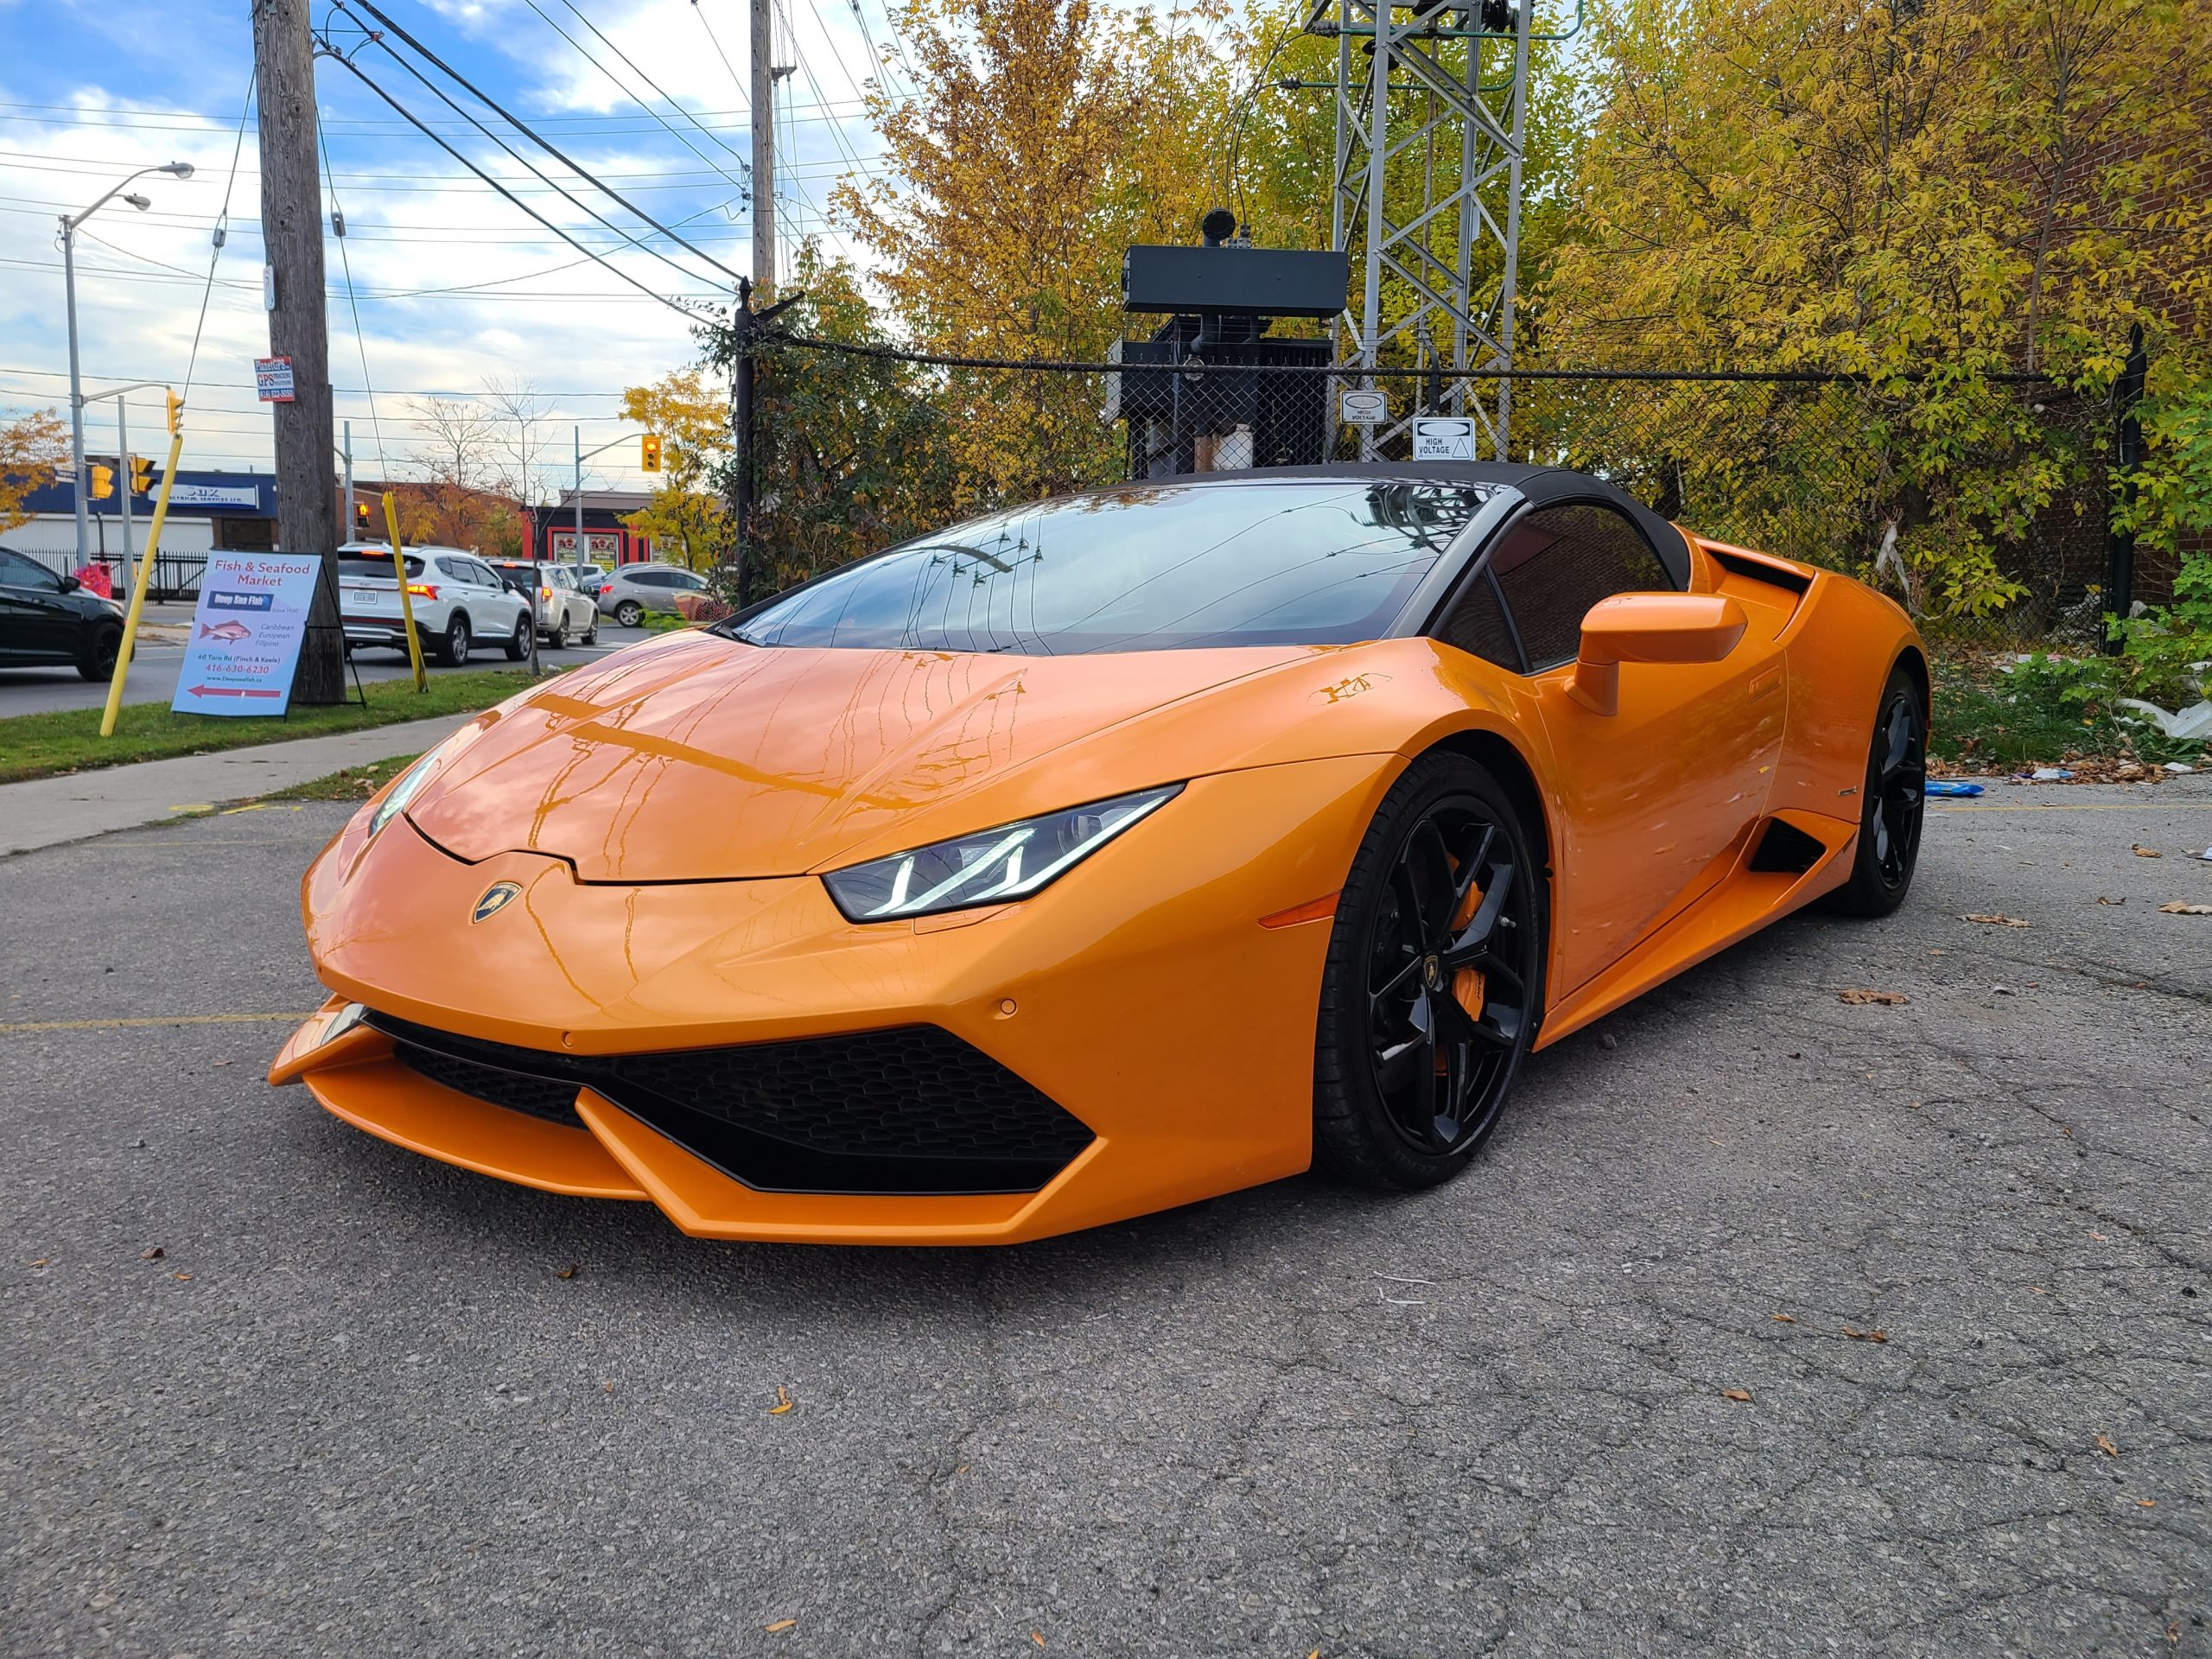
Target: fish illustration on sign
229	632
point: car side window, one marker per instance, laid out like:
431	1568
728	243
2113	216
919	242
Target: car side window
685	579
649	578
1553	565
17	571
485	573
1477	623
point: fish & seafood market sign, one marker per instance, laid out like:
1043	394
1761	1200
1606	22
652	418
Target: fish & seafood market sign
246	633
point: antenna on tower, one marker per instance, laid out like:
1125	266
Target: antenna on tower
1435	253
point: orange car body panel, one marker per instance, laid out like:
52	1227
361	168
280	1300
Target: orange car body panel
667	812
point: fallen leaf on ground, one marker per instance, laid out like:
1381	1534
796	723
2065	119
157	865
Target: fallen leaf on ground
780	1625
155	1254
2178	908
1785	1319
1859	998
1038	1639
2105	1446
782	1403
42	1261
2103	900
2141	851
179	1276
219	1062
2101	1238
1743	1395
568	1272
2146	1502
1865	1336
1994	920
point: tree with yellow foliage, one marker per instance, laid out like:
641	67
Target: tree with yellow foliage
687	518
34	449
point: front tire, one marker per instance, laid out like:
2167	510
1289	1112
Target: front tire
107	645
1433	983
560	640
1892	799
453	647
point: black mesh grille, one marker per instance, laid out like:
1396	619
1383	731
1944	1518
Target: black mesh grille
547	1098
913	1110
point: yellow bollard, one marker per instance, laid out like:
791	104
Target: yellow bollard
138	587
406	605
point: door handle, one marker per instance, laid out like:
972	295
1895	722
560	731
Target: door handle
1766	683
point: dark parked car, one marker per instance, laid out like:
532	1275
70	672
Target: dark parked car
49	619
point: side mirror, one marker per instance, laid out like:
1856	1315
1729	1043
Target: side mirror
1649	628
70	584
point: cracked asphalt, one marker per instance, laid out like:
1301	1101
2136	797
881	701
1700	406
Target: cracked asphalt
1768	1324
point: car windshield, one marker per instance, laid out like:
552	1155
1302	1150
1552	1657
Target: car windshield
1154	567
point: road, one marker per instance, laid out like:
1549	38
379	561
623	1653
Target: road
272	1386
153	673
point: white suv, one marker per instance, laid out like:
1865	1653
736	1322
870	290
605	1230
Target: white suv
457	600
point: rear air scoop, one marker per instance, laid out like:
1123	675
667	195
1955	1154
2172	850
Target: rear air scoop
707	760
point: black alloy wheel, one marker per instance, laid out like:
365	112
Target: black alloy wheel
1895	799
99	663
1434	981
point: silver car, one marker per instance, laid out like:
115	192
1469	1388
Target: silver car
630	590
562	612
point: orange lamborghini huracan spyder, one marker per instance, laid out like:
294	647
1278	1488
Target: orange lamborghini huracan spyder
1108	852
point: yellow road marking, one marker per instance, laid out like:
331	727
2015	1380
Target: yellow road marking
173	1020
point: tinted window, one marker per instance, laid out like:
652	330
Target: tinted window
1477	623
17	571
1553	565
375	564
1149	568
650	578
685	579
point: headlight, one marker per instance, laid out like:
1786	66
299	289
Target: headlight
991	867
408	786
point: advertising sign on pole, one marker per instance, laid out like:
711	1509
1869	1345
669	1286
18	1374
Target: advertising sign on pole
246	632
1444	437
272	379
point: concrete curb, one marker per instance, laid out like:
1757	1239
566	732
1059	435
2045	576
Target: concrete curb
48	812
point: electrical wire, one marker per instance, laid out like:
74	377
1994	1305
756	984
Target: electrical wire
360	340
221	234
520	126
742	159
743	184
681	310
437	92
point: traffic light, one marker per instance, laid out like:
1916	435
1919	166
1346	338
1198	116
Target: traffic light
361	517
103	481
141	475
648	453
176	413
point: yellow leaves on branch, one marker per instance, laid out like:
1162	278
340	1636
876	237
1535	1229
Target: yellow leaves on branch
34	452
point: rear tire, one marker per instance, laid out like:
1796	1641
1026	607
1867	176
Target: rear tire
629	614
1433	983
453	648
518	642
1892	798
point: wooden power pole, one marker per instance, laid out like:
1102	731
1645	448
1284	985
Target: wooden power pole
291	230
763	68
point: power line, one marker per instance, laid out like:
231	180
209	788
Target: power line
352	305
519	125
222	232
742	160
357	74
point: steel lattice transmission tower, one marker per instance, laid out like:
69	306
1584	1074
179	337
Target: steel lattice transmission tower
1430	128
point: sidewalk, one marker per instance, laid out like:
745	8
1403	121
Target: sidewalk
48	812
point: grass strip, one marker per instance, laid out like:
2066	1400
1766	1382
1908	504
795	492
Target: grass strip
354	784
66	741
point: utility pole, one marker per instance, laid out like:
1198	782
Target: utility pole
291	228
763	68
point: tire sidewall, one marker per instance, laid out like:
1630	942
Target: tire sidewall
1866	893
1343	1079
458	640
629	614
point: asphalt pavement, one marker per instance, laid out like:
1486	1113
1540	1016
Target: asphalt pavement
164	629
1770	1324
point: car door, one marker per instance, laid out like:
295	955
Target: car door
36	624
1653	800
491	608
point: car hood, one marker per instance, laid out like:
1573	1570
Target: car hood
698	758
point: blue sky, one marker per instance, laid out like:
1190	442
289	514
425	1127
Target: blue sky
89	91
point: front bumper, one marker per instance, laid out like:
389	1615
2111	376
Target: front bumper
1141	997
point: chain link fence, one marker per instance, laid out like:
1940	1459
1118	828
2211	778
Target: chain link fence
1980	502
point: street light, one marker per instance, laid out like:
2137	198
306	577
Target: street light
69	224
